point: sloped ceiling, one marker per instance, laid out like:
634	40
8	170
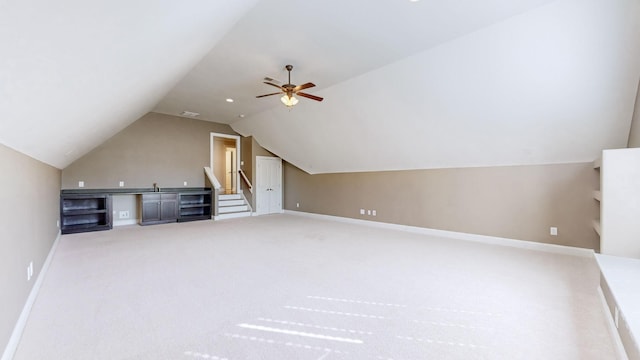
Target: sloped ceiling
555	84
406	85
73	73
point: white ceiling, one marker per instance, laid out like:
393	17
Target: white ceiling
406	85
73	72
327	42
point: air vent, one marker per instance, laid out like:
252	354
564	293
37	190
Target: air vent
190	113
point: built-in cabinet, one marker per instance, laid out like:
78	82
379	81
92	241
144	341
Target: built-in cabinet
158	208
85	212
619	200
165	207
194	205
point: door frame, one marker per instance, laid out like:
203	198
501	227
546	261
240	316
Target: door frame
238	157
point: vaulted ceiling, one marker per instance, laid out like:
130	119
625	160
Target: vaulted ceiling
407	85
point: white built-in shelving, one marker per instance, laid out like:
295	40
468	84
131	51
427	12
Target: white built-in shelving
596	225
597	163
619	200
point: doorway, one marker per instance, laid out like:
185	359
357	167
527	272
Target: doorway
231	176
225	162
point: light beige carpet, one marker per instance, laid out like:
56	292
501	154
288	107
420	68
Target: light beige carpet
288	287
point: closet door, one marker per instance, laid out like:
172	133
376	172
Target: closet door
268	185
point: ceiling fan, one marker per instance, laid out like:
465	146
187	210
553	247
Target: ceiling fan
289	90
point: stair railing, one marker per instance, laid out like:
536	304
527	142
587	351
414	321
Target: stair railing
246	180
216	187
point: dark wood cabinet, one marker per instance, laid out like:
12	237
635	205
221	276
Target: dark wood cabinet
81	213
158	208
195	205
91	209
150	209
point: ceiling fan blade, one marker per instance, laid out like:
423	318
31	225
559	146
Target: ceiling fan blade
303	86
278	93
278	86
308	96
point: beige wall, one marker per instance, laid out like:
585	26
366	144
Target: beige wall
516	202
634	132
164	149
250	149
247	166
29	210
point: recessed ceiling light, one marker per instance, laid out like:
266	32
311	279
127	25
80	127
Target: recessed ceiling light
229	100
189	113
414	0
241	115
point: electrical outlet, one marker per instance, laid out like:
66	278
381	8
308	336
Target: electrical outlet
368	212
553	231
58	223
185	183
121	184
124	214
361	211
373	212
297	205
80	183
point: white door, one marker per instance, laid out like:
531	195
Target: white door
268	185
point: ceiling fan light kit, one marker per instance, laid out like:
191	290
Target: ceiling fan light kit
288	101
289	90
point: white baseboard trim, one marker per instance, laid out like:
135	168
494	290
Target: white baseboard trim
621	354
493	240
125	222
18	329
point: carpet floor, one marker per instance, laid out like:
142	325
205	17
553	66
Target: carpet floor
290	287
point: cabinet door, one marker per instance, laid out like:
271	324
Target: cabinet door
150	210
169	210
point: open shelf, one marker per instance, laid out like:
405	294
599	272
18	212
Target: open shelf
597	195
194	205
596	225
81	213
187	206
84	212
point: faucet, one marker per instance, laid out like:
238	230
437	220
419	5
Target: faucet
155	187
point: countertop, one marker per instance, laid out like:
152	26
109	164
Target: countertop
131	191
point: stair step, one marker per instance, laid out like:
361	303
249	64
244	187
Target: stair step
229	209
223	203
233	215
230	197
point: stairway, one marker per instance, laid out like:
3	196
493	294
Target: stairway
232	206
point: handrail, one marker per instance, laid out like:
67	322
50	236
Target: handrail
212	178
246	180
